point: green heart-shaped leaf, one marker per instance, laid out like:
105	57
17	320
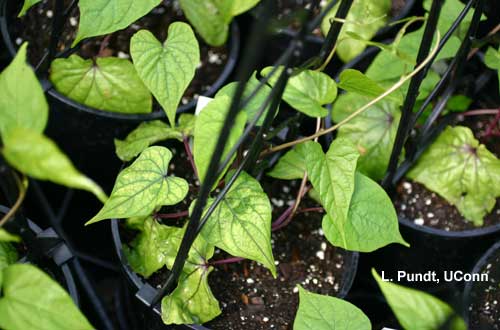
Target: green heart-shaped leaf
109	84
307	91
143	186
32	300
39	157
241	223
332	176
371	223
22	101
99	17
321	312
167	70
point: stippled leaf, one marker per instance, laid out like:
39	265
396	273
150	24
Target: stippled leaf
5	236
192	302
321	312
372	221
307	91
32	300
146	134
364	19
291	165
253	106
166	69
22	102
39	157
417	310
373	131
143	186
109	84
332	176
27	5
150	250
241	223
207	128
467	176
99	17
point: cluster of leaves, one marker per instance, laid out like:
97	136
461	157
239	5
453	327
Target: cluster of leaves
28	296
115	84
467	184
241	223
23	118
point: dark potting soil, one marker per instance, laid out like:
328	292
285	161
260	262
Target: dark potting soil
250	298
424	207
35	27
485	298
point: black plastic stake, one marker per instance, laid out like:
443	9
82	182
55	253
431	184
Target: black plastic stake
411	96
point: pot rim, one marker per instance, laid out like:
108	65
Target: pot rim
350	271
470	233
466	297
233	46
66	271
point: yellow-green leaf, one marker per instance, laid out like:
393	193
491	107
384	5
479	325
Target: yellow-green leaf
166	69
100	17
39	157
22	101
143	186
109	84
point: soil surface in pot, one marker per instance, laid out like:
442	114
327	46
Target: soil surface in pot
424	207
40	17
485	298
250	298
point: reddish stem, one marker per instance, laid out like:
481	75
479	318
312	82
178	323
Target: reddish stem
481	112
189	154
227	261
311	209
277	224
104	44
490	130
171	215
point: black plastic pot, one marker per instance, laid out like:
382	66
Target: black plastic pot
87	134
58	257
473	290
146	293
